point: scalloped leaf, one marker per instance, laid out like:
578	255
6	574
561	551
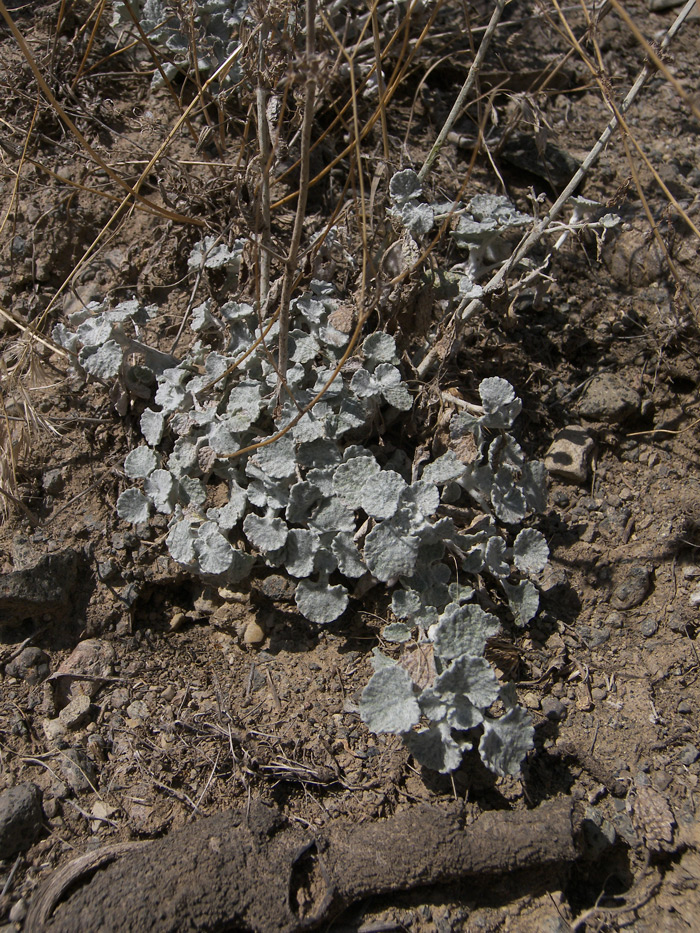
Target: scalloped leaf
495	557
388	702
524	601
436	748
445	469
162	489
212	550
390	552
104	361
379	348
133	506
530	551
380	494
180	541
299	552
463	630
141	462
349	478
405	186
507	500
471	677
349	559
319	602
152	426
264	532
506	741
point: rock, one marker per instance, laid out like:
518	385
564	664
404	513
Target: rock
30	665
138	710
54	730
254	634
689	755
53	482
569	455
47	588
78	771
633	588
635	258
77	713
20	819
609	398
84	671
593	637
685	707
18	911
553	709
649	627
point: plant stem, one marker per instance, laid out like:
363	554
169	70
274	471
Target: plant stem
454	114
291	264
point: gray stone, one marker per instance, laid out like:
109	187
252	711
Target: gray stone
609	398
77	713
53	482
20	819
689	755
649	627
48	587
30	665
569	455
685	707
18	911
553	709
632	588
77	770
593	637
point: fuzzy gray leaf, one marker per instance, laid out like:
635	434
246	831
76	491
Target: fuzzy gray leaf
506	741
390	552
162	489
530	551
380	494
524	601
152	426
346	553
141	462
404	186
507	500
264	532
350	478
388	702
471	677
463	630
133	506
213	552
444	470
303	498
319	602
299	552
379	348
494	557
104	361
435	748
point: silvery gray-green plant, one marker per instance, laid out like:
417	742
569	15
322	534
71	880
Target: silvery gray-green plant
318	502
212	26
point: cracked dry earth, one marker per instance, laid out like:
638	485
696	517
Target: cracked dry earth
134	700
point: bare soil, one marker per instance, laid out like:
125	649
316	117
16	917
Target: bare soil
188	715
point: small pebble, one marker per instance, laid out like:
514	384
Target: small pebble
648	627
598	694
689	754
18	911
685	707
553	709
254	634
77	713
632	590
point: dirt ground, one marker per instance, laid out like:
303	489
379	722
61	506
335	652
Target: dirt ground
199	701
